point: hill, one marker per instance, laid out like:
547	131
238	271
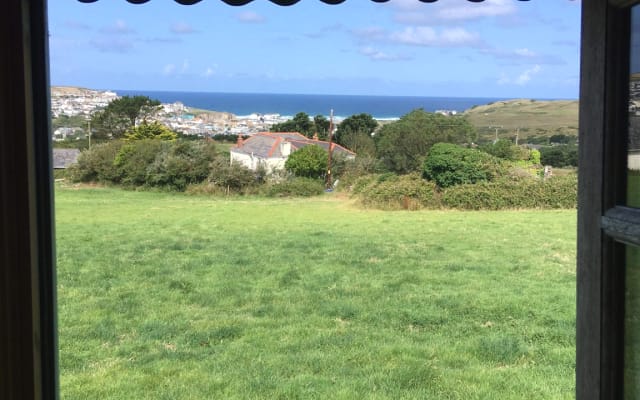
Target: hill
528	117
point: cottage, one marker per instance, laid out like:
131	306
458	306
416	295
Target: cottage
64	158
271	149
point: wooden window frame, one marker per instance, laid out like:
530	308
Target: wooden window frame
605	224
28	347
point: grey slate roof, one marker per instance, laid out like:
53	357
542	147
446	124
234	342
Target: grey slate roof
267	144
63	158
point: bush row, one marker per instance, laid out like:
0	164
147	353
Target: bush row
413	192
192	166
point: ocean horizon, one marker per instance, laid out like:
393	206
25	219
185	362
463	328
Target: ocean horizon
287	105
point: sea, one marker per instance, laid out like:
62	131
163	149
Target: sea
287	105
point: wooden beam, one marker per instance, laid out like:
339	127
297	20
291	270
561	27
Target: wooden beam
28	349
601	185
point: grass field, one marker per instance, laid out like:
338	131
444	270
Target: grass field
167	296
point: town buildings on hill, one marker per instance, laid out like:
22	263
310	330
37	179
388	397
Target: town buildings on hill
74	102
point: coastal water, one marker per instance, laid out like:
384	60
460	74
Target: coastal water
380	107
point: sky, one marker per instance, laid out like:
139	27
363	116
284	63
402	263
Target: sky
451	48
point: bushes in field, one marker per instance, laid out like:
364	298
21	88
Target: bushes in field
183	165
390	191
147	162
412	192
449	164
468	179
97	164
295	187
556	192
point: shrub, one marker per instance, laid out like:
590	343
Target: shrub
295	187
96	165
504	149
449	164
180	164
399	192
134	158
559	156
556	192
309	161
231	176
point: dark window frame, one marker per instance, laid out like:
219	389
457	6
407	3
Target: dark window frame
28	348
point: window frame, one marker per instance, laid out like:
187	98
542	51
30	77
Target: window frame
604	223
28	346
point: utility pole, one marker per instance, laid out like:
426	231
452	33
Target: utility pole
497	127
329	183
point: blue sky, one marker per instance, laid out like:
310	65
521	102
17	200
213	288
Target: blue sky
452	48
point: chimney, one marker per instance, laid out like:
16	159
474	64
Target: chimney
240	141
285	149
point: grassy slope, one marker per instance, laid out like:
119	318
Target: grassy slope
540	118
171	297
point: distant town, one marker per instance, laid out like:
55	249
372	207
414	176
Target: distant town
73	107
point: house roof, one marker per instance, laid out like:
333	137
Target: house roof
63	158
278	2
267	144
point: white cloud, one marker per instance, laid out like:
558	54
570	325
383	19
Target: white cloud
526	75
468	11
185	66
427	36
521	79
250	17
446	12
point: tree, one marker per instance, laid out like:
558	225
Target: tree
321	126
449	164
153	130
309	161
359	123
403	144
303	124
121	114
355	132
504	149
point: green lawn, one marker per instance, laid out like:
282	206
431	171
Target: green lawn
165	296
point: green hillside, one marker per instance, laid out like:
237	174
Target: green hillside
528	117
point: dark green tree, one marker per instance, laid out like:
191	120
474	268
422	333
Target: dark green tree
299	123
354	133
403	144
309	161
321	127
559	156
121	114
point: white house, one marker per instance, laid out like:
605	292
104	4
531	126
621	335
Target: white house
271	149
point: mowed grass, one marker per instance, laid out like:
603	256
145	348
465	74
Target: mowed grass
173	297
